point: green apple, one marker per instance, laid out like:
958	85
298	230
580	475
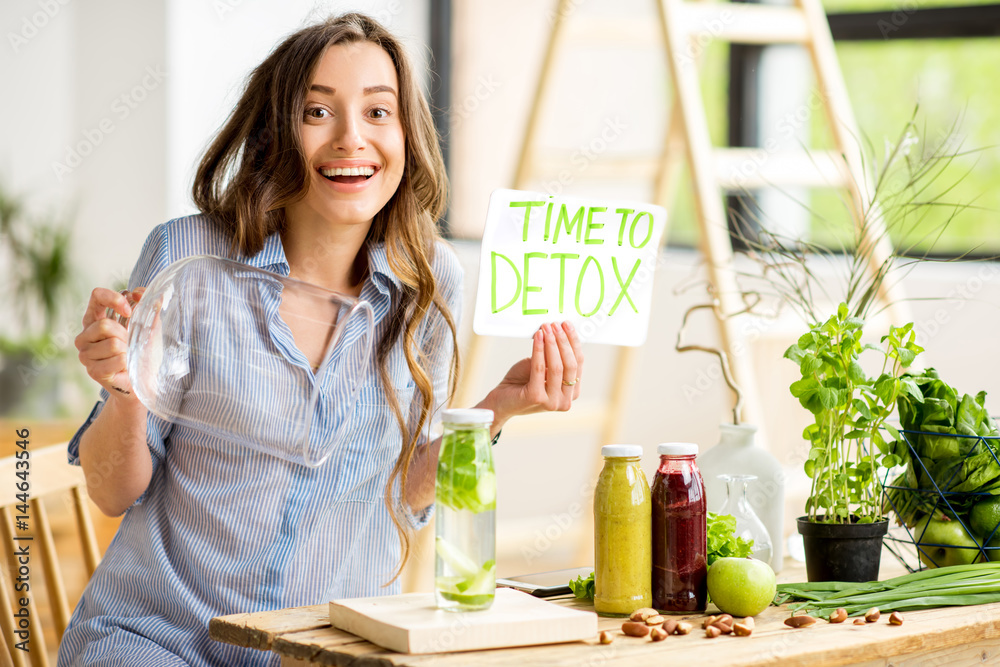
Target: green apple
741	586
944	542
984	518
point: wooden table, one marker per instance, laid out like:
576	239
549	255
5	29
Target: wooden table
959	636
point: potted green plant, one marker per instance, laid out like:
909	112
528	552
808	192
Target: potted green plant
849	438
40	281
844	526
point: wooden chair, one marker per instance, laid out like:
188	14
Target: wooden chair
48	475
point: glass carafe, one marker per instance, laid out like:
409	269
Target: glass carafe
748	524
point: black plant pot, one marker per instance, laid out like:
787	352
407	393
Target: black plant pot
842	551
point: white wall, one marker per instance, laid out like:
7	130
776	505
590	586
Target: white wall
85	126
39	95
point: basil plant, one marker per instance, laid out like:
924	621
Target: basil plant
850	408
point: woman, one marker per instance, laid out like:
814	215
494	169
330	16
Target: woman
328	171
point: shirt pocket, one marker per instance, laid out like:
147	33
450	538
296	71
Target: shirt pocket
373	444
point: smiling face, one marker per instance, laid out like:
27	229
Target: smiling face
352	136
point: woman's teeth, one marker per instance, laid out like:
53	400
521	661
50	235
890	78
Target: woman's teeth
348	171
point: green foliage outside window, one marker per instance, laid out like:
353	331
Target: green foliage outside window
952	81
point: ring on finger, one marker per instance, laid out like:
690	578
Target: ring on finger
570	384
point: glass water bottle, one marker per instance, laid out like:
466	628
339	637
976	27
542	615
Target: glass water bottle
465	522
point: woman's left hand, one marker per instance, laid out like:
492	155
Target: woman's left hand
547	380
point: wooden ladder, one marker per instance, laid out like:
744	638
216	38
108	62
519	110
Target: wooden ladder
714	172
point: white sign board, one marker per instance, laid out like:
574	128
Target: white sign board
549	258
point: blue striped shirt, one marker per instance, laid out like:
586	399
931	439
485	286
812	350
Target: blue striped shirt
223	528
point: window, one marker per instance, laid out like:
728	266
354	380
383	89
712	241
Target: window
942	55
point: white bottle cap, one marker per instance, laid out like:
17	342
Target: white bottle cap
467	416
677	449
629	451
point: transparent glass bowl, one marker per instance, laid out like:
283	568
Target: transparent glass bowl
211	346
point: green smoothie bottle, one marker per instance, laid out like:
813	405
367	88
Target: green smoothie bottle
622	534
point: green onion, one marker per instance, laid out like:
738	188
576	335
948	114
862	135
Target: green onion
957	585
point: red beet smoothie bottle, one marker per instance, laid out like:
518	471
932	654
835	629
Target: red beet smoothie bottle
680	541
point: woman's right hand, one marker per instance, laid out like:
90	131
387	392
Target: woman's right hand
103	343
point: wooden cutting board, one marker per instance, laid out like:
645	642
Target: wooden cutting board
412	623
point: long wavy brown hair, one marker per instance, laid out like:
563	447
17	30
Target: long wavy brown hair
256	166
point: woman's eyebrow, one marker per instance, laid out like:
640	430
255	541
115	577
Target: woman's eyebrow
379	89
370	90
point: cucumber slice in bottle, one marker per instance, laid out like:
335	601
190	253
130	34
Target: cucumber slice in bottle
482	583
486	489
458	561
449	584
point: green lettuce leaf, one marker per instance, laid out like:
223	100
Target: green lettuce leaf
722	542
583	587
